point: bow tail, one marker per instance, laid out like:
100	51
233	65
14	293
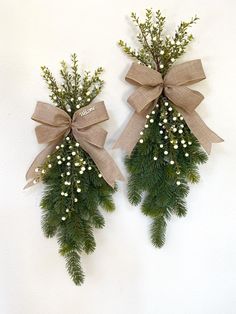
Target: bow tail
131	134
39	160
205	135
104	163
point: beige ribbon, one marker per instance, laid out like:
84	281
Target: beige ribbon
174	87
56	124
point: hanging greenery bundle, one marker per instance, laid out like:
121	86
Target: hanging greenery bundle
78	172
165	135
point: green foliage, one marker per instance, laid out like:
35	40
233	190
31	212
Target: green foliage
166	158
75	190
157	51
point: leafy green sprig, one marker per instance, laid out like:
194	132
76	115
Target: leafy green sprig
75	91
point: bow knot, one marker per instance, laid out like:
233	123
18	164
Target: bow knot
56	124
151	85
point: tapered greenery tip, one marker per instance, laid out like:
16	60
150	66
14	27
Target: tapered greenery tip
76	90
166	158
157	50
75	189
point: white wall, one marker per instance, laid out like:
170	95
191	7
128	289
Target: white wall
195	271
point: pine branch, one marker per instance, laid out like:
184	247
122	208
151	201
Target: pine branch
74	268
158	229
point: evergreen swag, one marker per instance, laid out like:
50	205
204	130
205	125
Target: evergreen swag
74	187
166	158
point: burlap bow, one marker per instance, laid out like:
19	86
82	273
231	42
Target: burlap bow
56	124
174	87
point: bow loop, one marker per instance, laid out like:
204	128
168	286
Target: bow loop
184	74
142	75
47	114
47	133
151	86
